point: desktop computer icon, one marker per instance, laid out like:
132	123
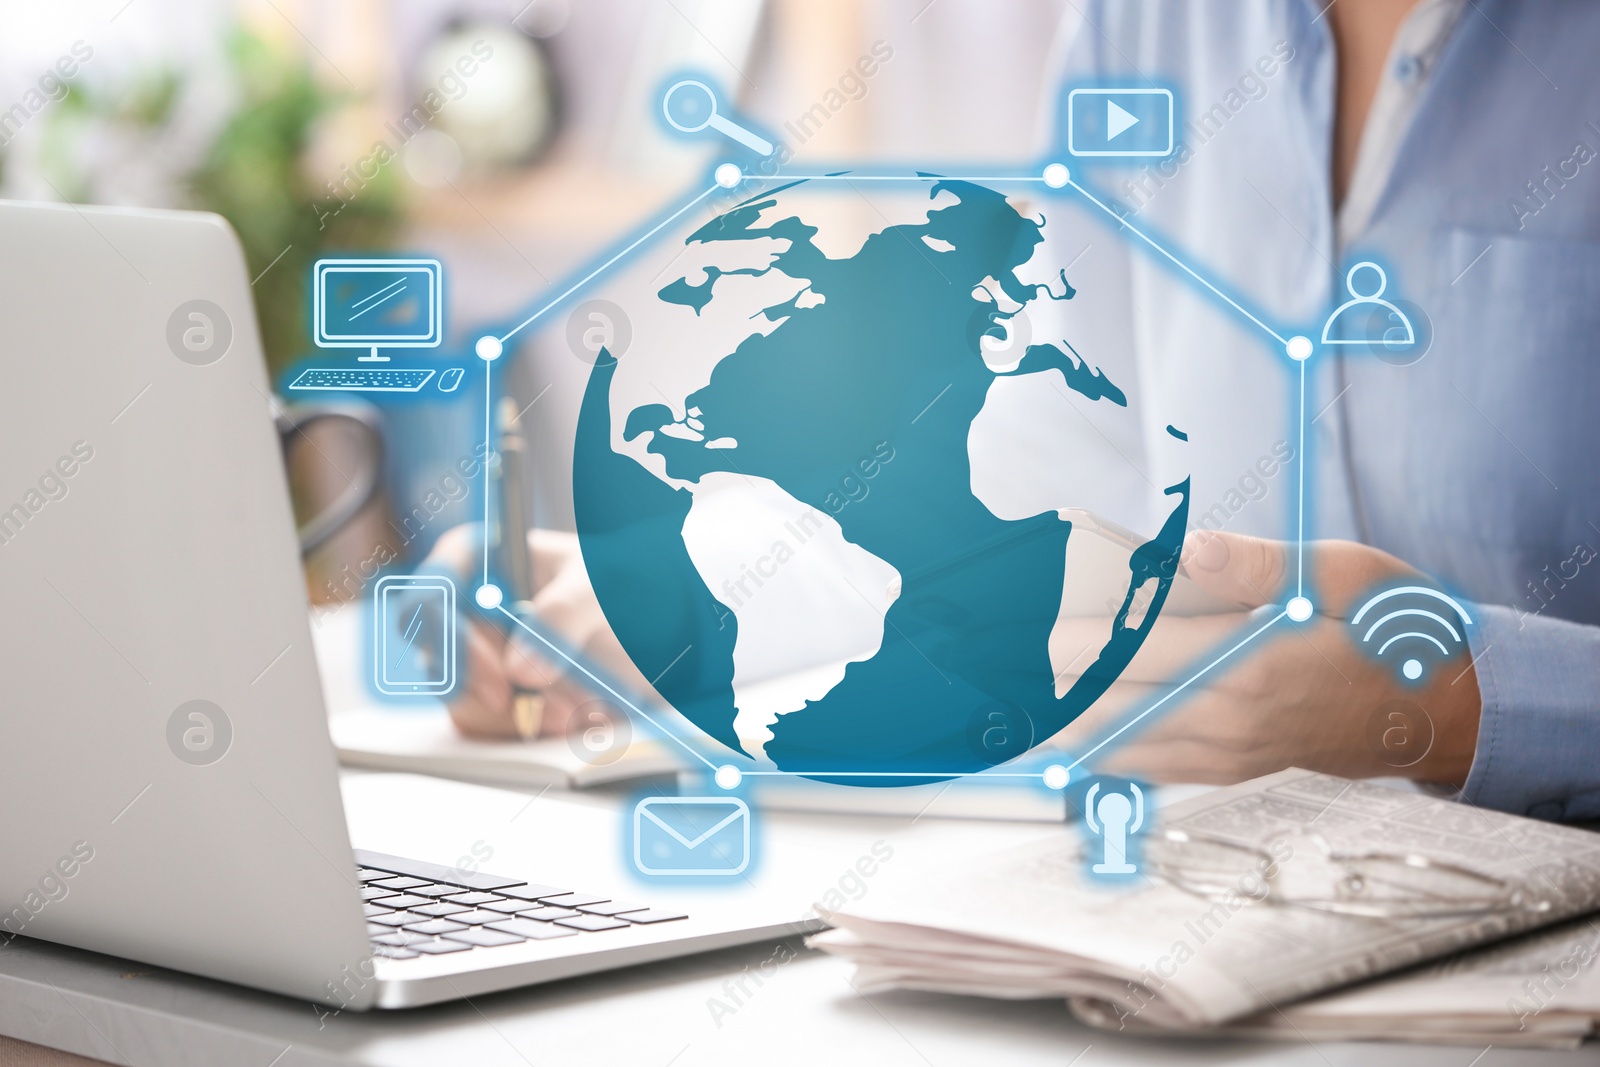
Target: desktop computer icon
374	304
378	303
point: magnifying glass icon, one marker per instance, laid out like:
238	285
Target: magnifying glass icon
697	109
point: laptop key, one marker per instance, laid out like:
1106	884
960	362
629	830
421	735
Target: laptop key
476	918
402	900
398	938
473	898
531	891
611	907
398	882
374	910
435	926
372	892
546	915
436	890
394	952
591	923
433	872
573	900
440	908
508	907
393	918
440	947
532	931
652	915
484	938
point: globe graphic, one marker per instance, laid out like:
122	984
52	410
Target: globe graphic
780	515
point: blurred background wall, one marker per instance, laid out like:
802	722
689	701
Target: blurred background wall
512	140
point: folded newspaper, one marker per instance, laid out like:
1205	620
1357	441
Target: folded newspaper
1343	910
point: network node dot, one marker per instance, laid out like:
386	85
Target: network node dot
1299	347
1056	776
1299	609
728	175
1411	669
1056	176
488	597
728	776
489	348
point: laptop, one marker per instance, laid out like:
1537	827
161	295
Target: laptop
170	792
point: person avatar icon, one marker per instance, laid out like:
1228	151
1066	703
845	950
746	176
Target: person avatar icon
1400	335
1118	817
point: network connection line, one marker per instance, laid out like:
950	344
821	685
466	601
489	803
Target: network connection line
597	680
1121	221
1201	673
1300	518
893	774
901	177
488	456
601	269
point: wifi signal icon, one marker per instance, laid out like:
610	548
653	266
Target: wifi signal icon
1408	628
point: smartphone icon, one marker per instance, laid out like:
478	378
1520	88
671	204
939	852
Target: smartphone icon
414	639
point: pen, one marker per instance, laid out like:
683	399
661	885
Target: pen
516	568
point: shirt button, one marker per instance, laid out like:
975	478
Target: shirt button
1408	68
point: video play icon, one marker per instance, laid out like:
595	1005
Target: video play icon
1119	122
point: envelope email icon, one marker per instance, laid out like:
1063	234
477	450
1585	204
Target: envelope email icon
691	836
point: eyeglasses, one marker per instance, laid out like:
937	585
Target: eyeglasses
1375	884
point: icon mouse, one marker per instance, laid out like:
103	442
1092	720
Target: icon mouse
450	380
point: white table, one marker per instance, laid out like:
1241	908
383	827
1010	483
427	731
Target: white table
655	1015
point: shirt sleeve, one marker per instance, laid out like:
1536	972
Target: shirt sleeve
1539	735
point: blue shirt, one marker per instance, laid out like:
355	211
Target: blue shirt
1474	462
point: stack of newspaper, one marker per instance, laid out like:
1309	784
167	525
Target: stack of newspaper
1508	960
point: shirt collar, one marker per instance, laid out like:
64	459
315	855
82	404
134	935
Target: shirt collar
1412	59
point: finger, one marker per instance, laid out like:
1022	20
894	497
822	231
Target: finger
1174	649
552	551
1185	761
1248	571
1138	716
475	716
530	668
1118	719
561	703
456	550
485	674
1346	572
567	607
1184	740
1116	705
484	709
608	653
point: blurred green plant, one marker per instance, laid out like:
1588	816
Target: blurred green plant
254	176
253	173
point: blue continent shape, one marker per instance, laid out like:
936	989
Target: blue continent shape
897	328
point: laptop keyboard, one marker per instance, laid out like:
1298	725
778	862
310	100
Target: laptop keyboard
362	379
415	909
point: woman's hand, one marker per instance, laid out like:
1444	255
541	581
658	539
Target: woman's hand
497	669
1300	694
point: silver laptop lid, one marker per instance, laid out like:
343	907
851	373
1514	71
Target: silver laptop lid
168	787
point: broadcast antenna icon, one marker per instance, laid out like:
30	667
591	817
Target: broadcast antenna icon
1114	811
